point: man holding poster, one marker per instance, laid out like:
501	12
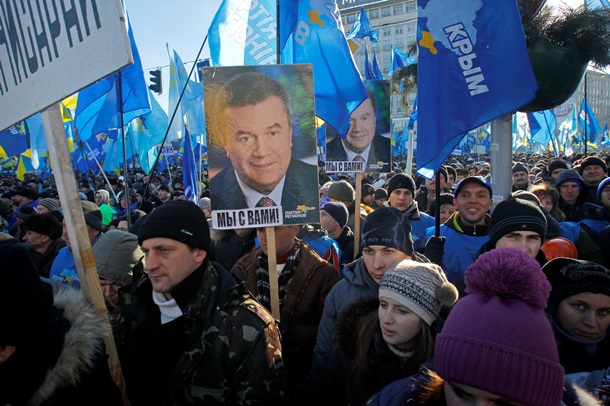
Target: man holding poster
250	117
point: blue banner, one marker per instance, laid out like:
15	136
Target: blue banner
473	67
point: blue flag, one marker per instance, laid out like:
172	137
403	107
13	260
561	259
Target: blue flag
473	67
243	32
400	60
376	69
312	33
148	131
38	142
13	140
368	69
98	106
189	172
191	104
542	125
397	61
592	126
362	28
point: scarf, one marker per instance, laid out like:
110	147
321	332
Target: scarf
169	308
263	292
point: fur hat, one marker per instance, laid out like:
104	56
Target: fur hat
515	215
472	179
420	287
45	224
592	160
337	211
401	181
341	191
388	227
498	338
569	277
116	253
26	303
179	220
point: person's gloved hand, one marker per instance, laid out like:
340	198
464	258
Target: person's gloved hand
435	248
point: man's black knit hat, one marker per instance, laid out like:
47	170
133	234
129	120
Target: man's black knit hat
515	215
401	181
178	220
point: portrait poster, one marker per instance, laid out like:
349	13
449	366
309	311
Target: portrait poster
262	156
367	145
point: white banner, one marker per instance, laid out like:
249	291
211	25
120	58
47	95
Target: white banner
50	50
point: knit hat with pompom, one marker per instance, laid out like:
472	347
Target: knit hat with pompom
498	338
420	287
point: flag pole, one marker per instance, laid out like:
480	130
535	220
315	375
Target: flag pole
124	138
101	170
274	296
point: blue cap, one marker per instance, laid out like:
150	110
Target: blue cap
604	183
478	179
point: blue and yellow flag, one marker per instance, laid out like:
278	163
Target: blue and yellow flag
473	67
313	33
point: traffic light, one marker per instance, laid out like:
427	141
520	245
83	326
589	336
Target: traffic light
155	81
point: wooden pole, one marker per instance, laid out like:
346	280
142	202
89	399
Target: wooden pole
357	214
273	276
77	230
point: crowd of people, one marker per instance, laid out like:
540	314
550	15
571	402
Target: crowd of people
509	304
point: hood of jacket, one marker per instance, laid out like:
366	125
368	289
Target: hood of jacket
81	344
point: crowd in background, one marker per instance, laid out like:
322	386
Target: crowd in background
509	303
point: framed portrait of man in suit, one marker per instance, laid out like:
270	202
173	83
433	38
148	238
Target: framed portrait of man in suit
262	152
366	147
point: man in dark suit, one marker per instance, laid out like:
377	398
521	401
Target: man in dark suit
256	131
361	142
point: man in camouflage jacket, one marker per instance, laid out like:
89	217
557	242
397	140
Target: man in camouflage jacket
192	336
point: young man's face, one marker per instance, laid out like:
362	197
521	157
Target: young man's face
378	259
528	242
261	146
327	222
569	192
473	202
362	127
401	199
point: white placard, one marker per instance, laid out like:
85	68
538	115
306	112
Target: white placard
53	49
